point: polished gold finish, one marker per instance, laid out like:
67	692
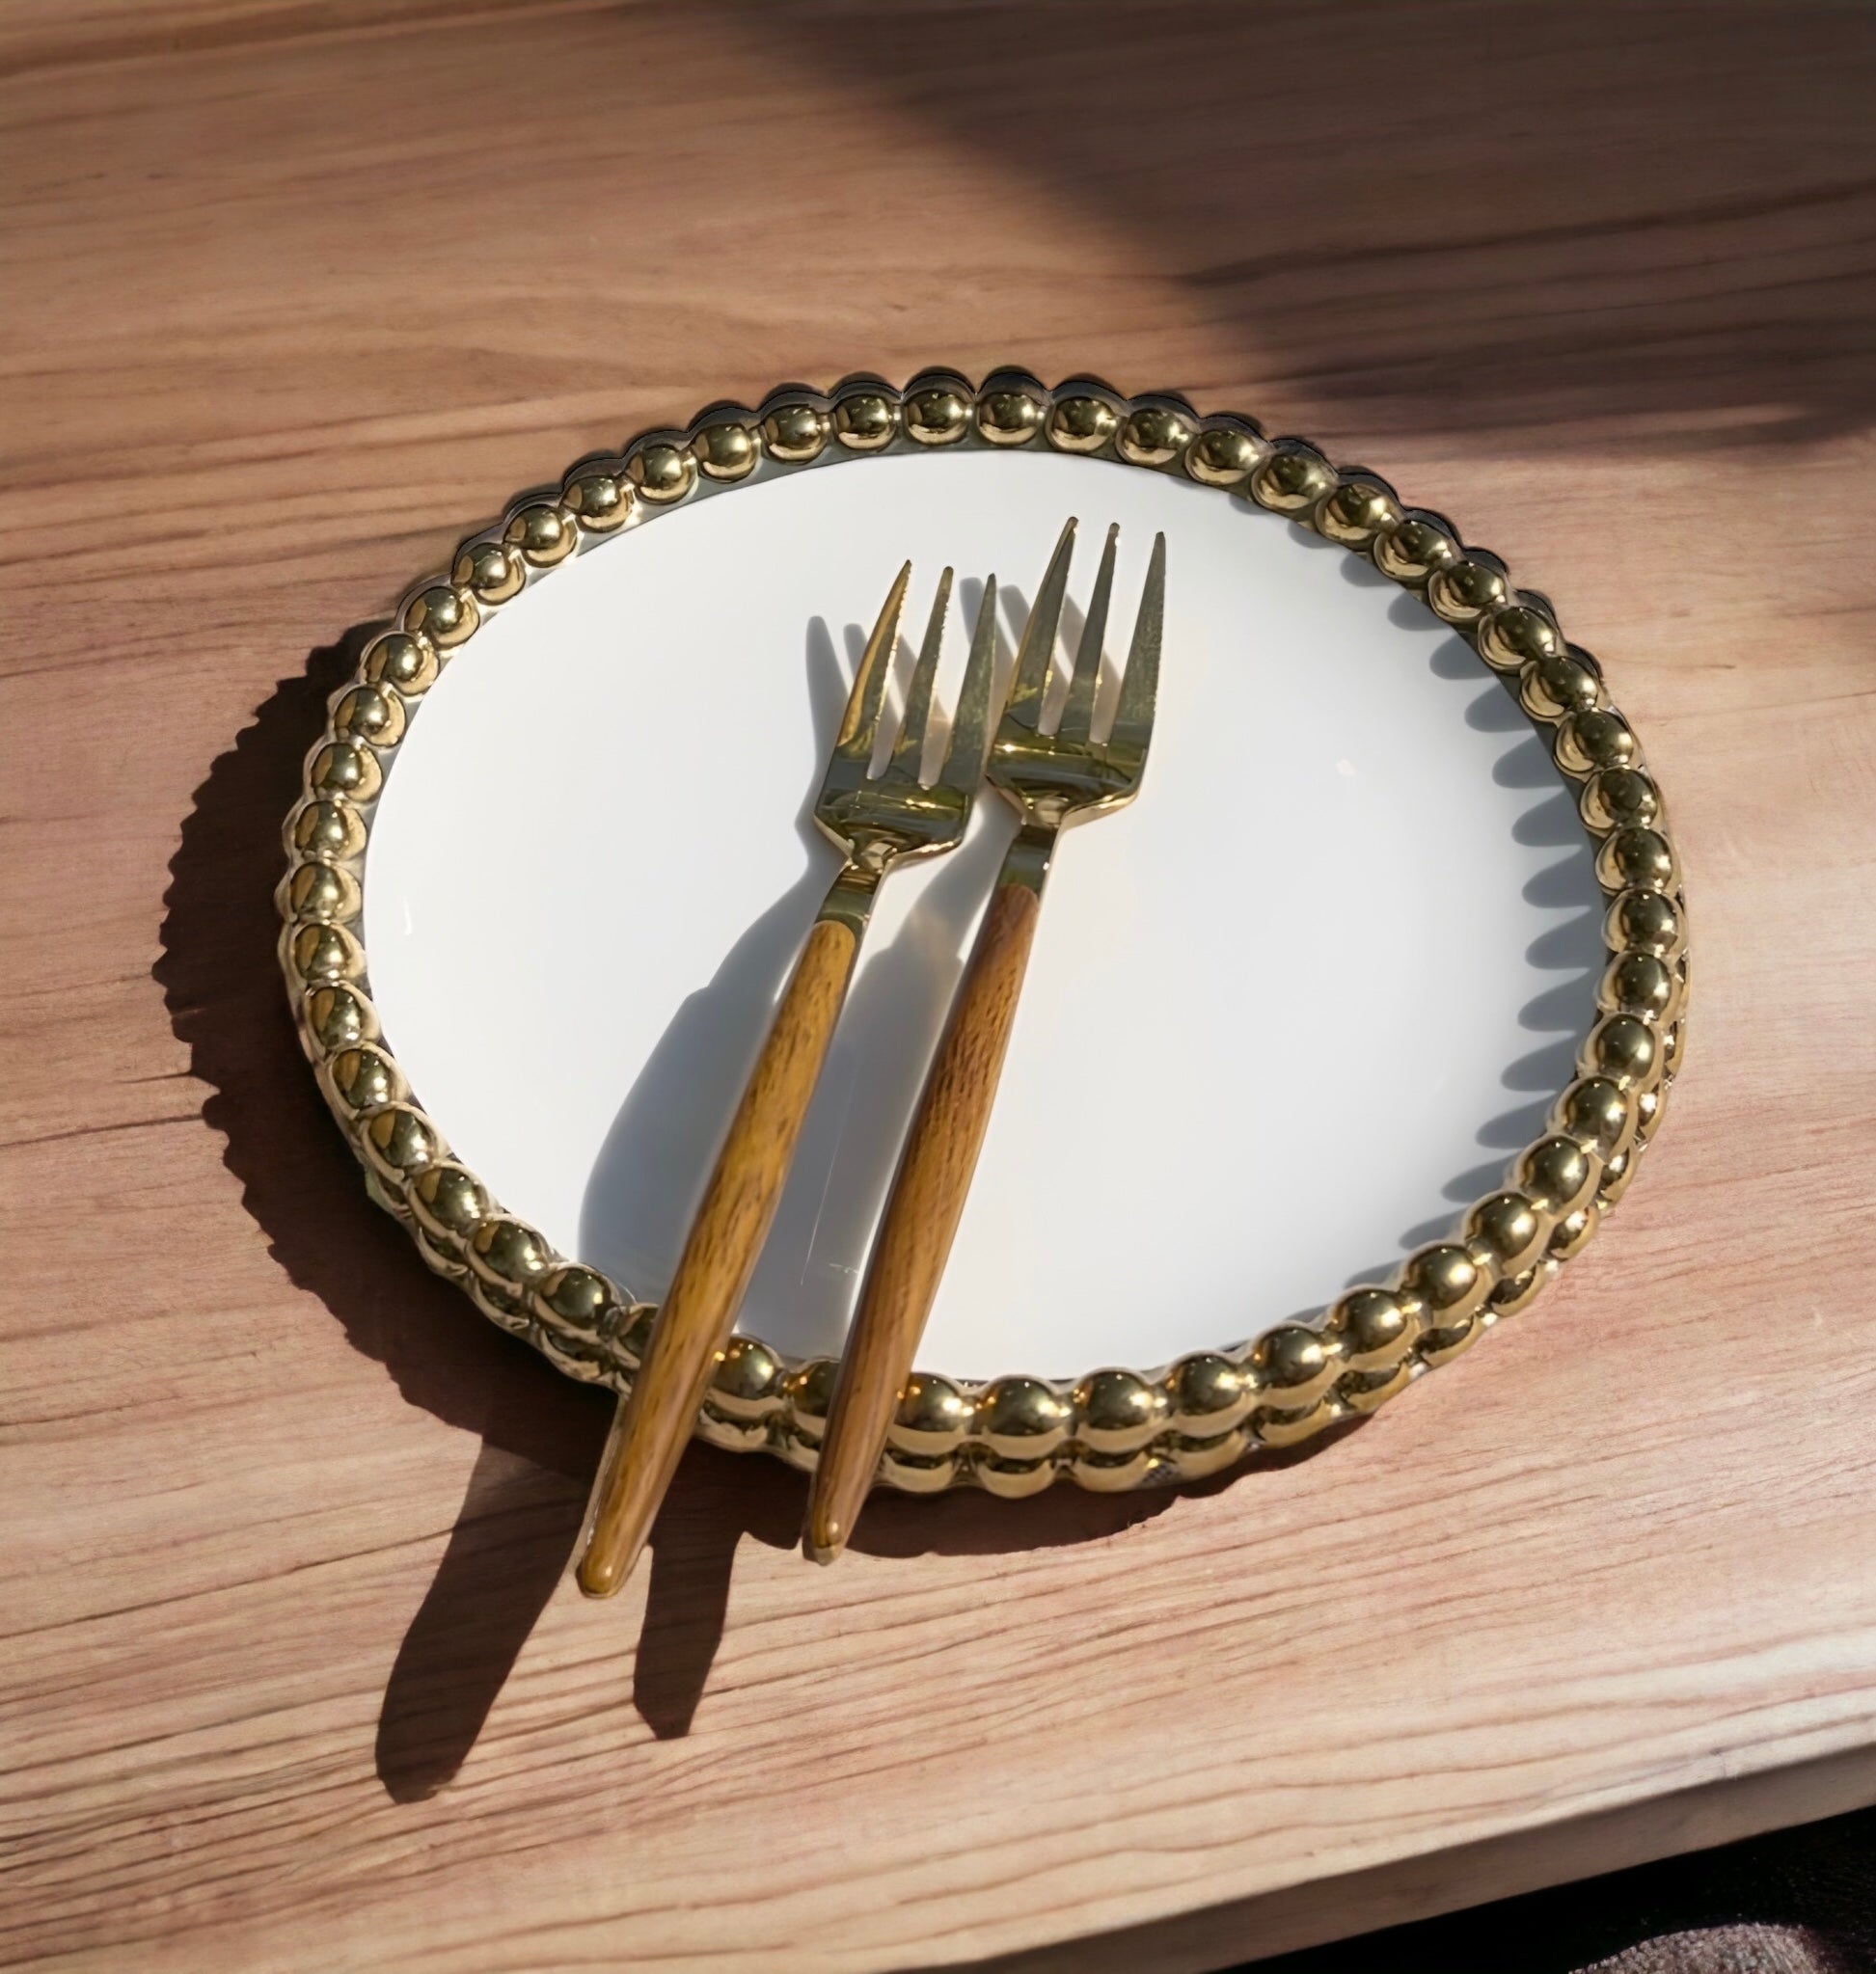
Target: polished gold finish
1224	457
728	449
1052	778
881	822
1120	1430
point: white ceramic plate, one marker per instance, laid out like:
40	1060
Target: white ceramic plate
1279	1028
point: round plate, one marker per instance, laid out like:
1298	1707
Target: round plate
1286	1013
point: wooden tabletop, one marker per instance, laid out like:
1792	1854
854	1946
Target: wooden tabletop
298	294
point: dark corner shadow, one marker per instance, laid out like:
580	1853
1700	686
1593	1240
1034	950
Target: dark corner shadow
1321	182
540	1433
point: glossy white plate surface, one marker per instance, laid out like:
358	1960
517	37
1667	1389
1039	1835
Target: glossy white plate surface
1285	1015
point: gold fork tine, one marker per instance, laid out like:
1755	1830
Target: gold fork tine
970	723
1078	719
908	750
1035	652
1140	686
859	725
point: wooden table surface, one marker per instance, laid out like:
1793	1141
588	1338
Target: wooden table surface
297	294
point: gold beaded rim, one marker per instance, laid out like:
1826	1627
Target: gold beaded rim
1114	1428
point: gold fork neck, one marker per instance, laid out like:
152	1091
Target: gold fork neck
1027	860
850	897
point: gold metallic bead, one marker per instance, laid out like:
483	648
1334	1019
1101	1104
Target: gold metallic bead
507	1307
1154	435
1515	1295
326	828
1021	1418
1119	1411
542	535
1207	1395
1446	1282
579	1300
1294	1366
796	433
1465	590
492	572
1291	478
1192	1459
1369	1390
406	663
1570	682
1355	512
1598	736
1622	1049
363	1078
1517	635
325	892
1415	552
440	1259
662	473
338	1017
1010	415
1277	1428
1012	1479
321	955
598	500
1115	1472
807	1393
369	715
746	1383
510	1254
632	1335
1375	1331
1616	1177
1225	457
400	1141
1439	1344
1082	424
448	1204
1646	921
1571	1236
344	767
914	1474
932	1420
1613	797
444	615
1506	1232
1638	984
726	450
1557	1175
865	420
938	414
1636	859
1597	1113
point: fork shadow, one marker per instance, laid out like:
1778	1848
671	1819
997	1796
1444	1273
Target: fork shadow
541	1434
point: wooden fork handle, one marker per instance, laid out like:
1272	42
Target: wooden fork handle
921	1218
652	1425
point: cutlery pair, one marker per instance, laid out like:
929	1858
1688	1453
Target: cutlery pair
881	822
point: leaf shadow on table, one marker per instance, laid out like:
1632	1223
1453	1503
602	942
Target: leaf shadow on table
512	1540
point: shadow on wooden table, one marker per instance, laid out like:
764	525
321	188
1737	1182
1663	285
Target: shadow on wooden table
540	1432
1443	218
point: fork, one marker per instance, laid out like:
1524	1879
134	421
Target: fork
880	820
1052	779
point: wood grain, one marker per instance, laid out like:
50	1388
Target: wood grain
720	1254
293	1676
921	1220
